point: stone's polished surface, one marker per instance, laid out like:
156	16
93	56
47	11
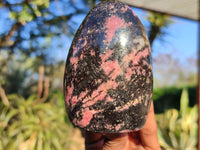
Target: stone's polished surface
108	75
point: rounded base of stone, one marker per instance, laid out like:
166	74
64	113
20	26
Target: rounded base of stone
128	120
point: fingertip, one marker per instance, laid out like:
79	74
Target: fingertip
148	133
93	140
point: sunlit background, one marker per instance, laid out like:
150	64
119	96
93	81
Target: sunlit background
35	37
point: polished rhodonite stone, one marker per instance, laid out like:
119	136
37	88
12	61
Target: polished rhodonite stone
108	75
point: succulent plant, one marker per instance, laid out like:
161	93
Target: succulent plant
27	125
177	130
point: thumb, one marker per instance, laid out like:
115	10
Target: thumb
121	141
93	141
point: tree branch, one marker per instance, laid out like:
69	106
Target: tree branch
7	37
15	27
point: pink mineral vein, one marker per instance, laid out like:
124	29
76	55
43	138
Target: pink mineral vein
75	50
108	126
74	62
135	61
83	94
109	99
119	126
87	115
112	24
100	94
124	9
109	66
142	54
129	73
84	43
127	105
73	101
69	93
92	53
105	56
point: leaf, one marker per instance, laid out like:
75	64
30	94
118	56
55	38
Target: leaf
39	144
8	116
44	3
24	15
31	98
179	129
183	139
173	116
194	114
34	126
162	140
184	103
13	15
56	144
173	140
14	97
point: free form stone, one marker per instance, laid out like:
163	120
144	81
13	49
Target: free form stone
108	75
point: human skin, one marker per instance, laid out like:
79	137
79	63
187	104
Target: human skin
144	139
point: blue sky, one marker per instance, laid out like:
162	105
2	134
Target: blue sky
181	38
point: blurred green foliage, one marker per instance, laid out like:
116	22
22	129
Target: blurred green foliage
29	124
169	97
30	10
20	74
178	130
17	74
158	22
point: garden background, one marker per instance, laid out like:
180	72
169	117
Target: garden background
35	36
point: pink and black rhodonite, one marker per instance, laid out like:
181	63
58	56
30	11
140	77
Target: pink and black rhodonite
108	75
